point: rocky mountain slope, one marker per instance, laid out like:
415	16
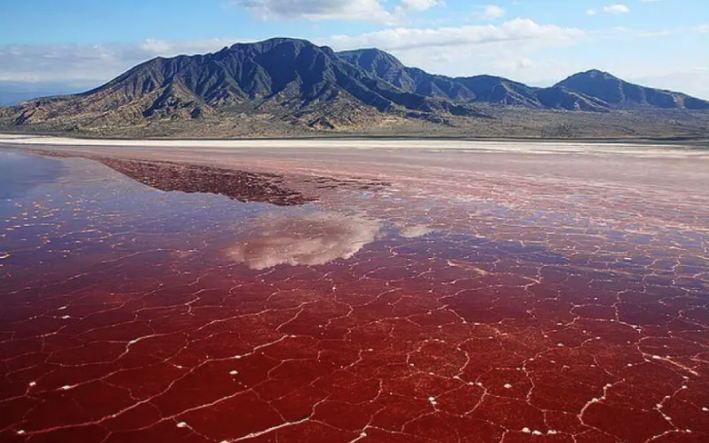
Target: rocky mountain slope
282	84
482	88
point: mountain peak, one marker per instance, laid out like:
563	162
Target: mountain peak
595	73
271	43
368	58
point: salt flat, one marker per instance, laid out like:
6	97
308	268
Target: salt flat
527	146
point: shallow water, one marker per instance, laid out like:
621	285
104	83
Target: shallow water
132	314
20	172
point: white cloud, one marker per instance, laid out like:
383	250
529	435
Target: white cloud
419	5
616	9
492	12
591	12
316	10
518	30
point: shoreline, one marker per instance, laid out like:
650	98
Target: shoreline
681	140
535	147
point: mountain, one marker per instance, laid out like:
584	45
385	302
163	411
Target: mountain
283	85
291	78
620	94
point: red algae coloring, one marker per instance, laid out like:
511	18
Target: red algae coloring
494	308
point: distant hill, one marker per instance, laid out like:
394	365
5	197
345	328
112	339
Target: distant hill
283	84
14	92
619	94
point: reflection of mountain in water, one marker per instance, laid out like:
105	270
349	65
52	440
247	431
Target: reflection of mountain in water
239	185
305	239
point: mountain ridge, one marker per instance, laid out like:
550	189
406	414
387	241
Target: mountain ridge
570	94
289	82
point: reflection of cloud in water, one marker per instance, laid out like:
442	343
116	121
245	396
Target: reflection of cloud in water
413	231
304	239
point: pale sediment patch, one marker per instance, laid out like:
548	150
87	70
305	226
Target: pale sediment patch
413	231
467	266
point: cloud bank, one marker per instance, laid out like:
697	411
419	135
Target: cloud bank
314	9
80	63
320	10
514	31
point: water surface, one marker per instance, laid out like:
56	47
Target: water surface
20	172
496	312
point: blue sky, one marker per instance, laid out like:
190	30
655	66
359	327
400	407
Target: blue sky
83	43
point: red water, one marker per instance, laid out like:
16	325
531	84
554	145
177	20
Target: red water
130	315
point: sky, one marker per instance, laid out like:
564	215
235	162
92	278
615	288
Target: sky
77	44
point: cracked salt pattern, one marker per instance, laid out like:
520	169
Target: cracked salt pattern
134	315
